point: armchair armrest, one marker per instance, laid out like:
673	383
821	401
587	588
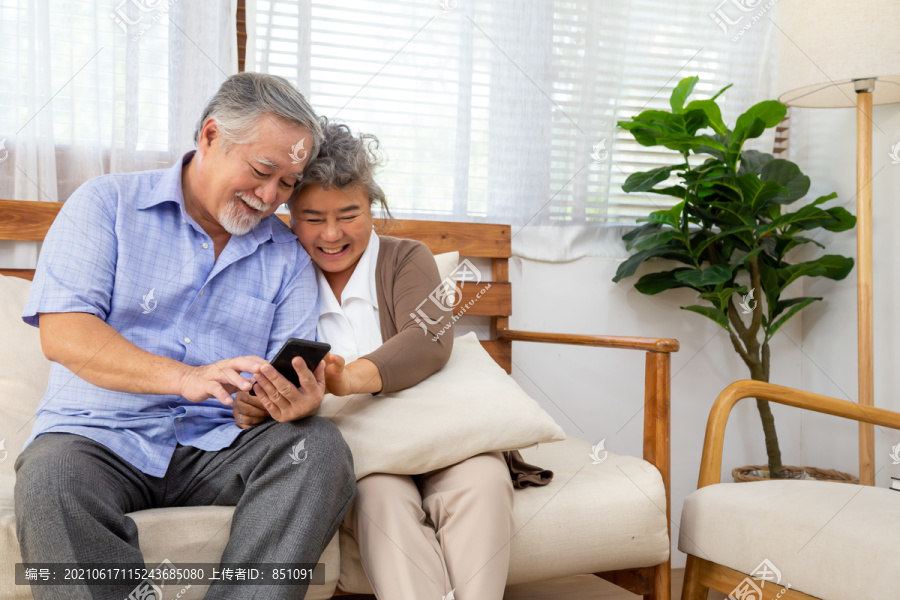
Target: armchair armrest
711	463
657	398
603	341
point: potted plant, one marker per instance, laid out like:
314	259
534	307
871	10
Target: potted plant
731	230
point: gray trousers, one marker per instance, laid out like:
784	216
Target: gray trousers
72	495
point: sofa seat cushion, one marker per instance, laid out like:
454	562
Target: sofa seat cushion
589	519
829	540
195	534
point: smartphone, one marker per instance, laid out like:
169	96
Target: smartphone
311	352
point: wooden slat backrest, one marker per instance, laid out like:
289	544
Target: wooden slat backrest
29	221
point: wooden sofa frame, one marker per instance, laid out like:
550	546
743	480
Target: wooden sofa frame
701	575
29	221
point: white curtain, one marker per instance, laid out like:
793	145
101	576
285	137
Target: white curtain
491	110
89	87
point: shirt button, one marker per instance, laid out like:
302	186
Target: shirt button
180	419
205	245
187	340
201	292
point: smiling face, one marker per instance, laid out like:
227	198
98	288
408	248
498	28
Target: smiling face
334	227
235	190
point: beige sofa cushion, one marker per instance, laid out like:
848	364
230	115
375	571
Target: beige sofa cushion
591	518
446	263
834	541
23	372
469	407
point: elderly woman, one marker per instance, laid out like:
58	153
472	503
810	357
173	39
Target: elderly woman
419	536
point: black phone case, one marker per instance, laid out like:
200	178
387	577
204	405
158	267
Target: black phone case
311	352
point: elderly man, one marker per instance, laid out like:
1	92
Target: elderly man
154	292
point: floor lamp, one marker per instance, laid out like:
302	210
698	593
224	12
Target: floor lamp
839	54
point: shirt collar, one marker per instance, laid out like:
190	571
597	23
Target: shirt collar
361	284
168	189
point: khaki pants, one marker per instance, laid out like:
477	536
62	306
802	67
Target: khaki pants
422	536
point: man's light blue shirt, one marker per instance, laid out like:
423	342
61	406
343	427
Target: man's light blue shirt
124	249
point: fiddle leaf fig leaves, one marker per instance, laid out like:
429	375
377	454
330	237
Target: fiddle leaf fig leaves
733	220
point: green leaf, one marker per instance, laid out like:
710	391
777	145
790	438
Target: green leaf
751	255
644	180
681	92
628	268
711	312
843	220
786	316
675	190
812	217
758	193
652	240
654	283
697	278
642	230
713	114
836	266
770	112
752	123
823	199
671	217
768	277
722	91
788	175
791	273
720	297
792	241
783	305
698	249
718	152
753	161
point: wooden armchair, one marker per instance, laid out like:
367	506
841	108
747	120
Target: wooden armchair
31	220
810	531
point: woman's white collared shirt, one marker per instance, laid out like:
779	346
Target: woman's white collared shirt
352	326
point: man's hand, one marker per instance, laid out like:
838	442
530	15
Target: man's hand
282	399
219	380
249	410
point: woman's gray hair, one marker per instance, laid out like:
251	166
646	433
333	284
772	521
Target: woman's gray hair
246	97
346	160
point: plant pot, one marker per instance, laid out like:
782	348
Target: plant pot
761	473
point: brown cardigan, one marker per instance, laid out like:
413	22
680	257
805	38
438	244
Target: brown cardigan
405	276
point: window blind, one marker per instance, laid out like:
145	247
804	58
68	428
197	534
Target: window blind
472	100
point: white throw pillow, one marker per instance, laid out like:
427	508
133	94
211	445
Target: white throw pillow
23	372
446	263
469	407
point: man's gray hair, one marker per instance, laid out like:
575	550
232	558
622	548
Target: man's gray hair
246	97
346	160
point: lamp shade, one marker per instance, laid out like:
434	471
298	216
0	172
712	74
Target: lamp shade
826	44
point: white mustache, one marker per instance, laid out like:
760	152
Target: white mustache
252	201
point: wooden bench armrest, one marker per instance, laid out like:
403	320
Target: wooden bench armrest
602	341
711	463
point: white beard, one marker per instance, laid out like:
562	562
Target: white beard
235	220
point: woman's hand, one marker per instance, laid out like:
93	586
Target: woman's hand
337	379
248	410
359	377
